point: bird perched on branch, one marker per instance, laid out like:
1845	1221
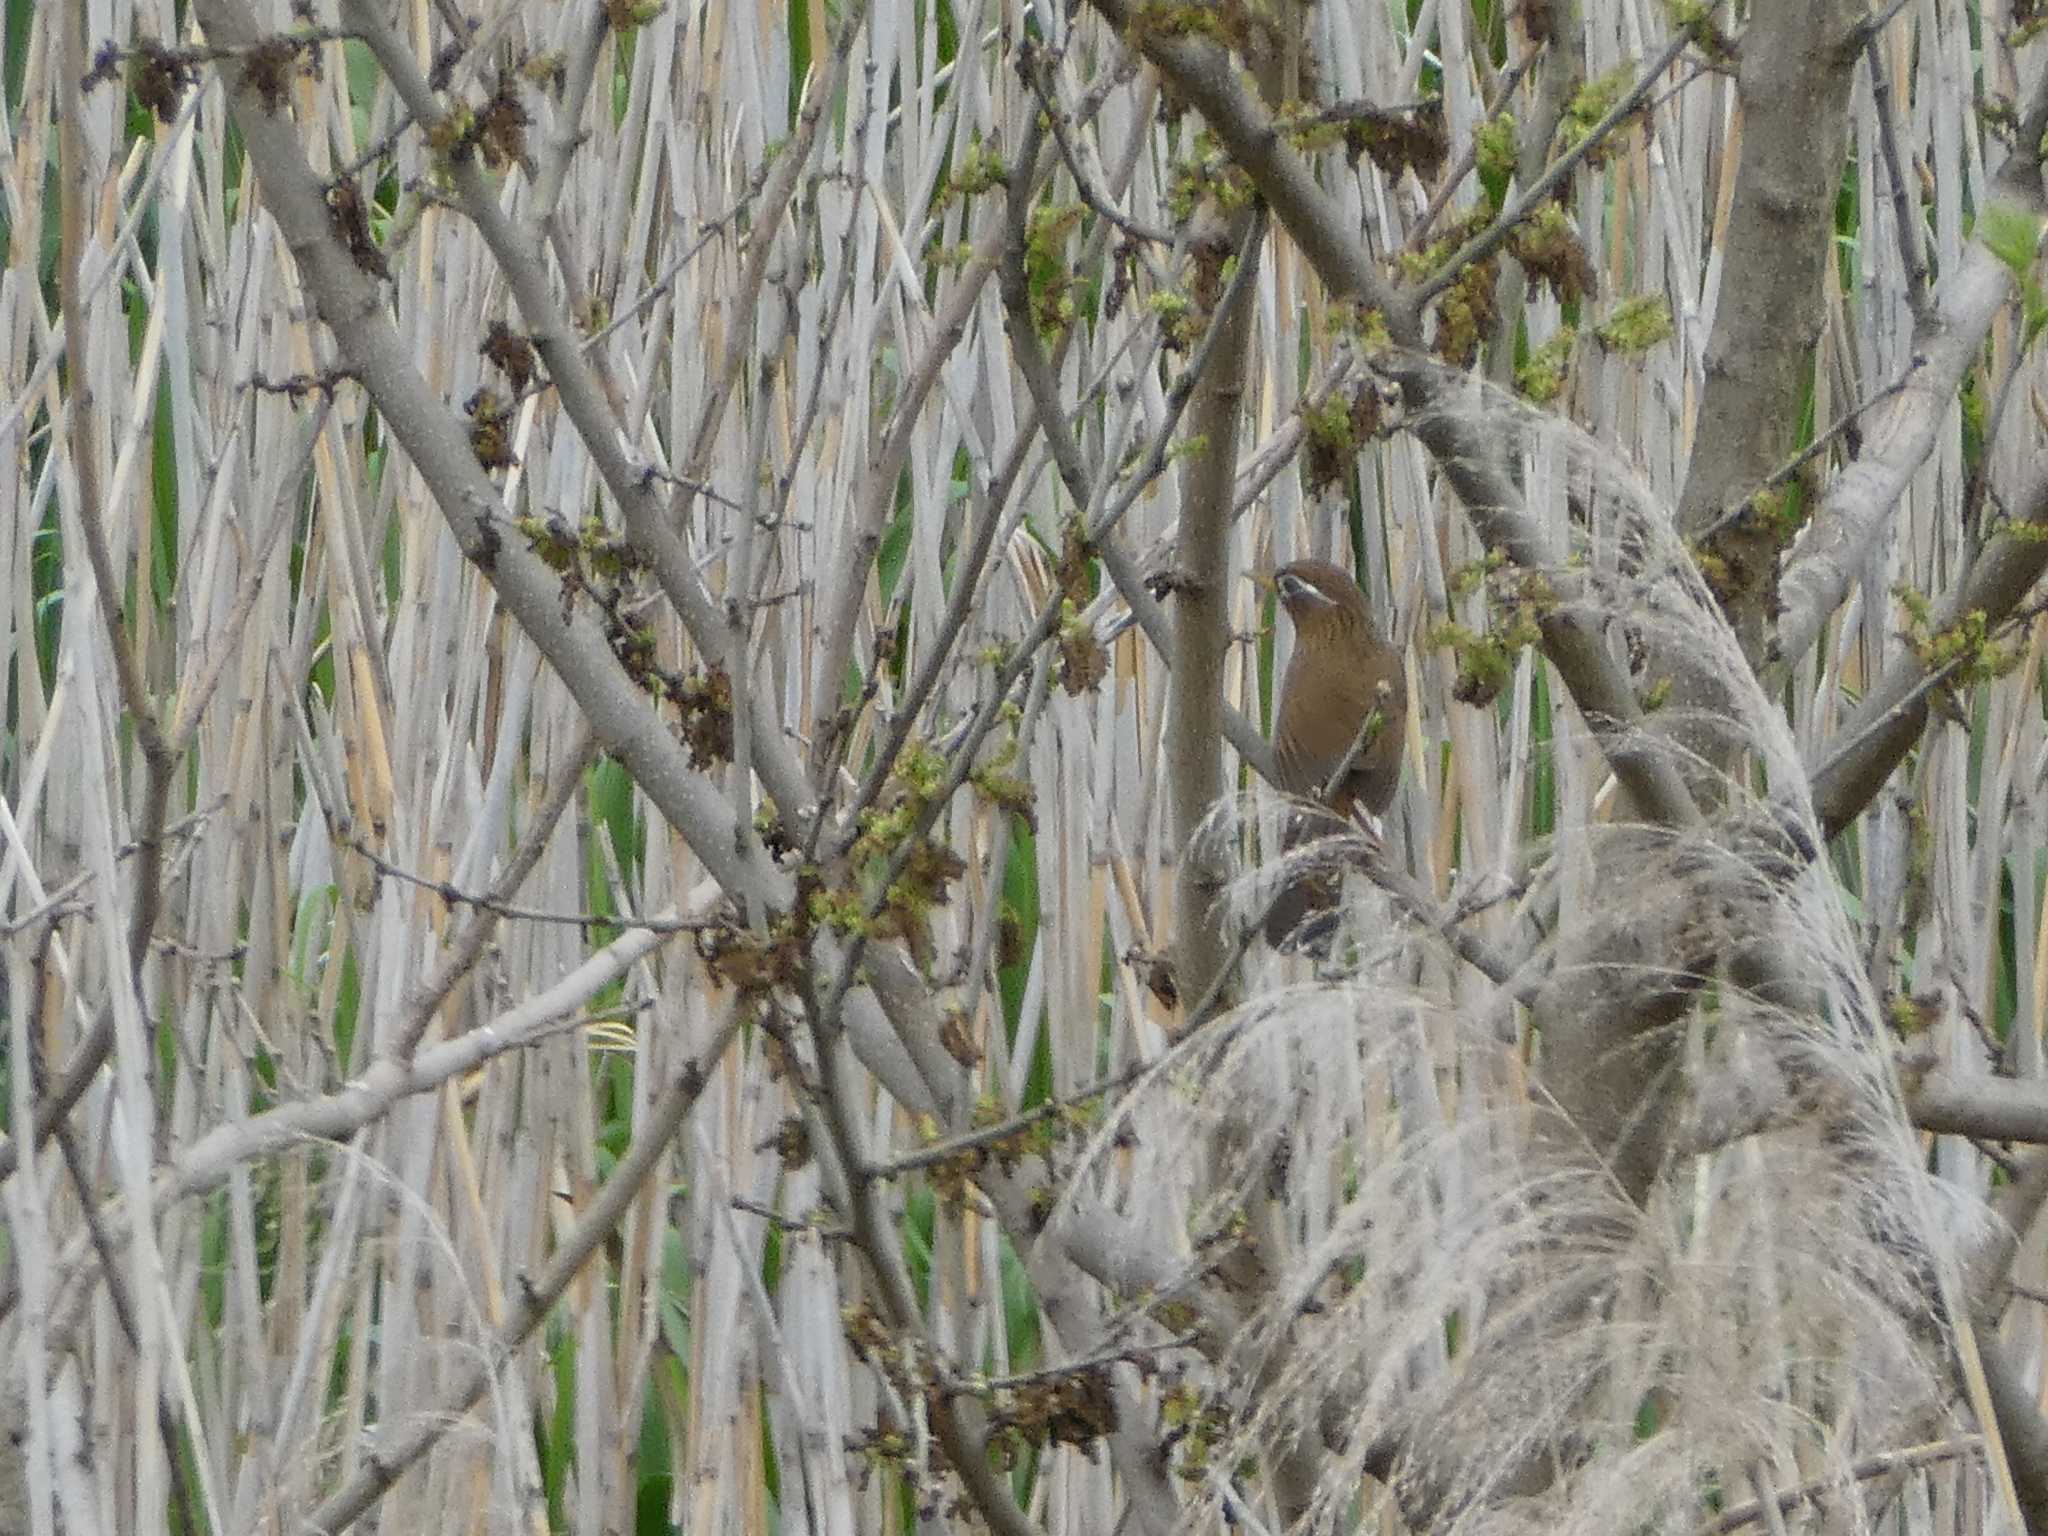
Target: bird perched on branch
1337	728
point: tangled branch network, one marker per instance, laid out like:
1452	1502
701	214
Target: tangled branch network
1626	1234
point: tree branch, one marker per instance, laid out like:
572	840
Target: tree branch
533	1298
1873	740
351	305
1847	528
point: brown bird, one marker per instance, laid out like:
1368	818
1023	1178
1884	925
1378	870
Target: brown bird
1341	676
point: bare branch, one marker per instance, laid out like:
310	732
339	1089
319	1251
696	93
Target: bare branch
1846	528
1884	728
1545	187
1994	1108
1203	76
623	715
535	1296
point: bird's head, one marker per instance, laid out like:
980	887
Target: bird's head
1314	591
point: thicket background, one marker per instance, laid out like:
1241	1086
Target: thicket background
441	443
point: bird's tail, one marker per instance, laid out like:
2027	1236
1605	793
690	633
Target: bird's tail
1302	915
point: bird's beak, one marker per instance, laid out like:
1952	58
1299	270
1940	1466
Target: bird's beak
1263	580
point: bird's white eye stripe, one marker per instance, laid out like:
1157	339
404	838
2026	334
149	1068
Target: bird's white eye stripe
1293	588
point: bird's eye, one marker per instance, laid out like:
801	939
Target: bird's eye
1293	589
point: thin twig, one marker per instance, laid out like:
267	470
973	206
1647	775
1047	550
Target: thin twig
1906	218
1871	1467
1883	18
1510	78
484	901
534	1296
1922	686
799	1226
1495	235
986	1136
1059	121
1130	1354
1368	732
1784	473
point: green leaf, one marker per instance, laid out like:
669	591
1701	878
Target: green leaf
2010	233
2034	309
